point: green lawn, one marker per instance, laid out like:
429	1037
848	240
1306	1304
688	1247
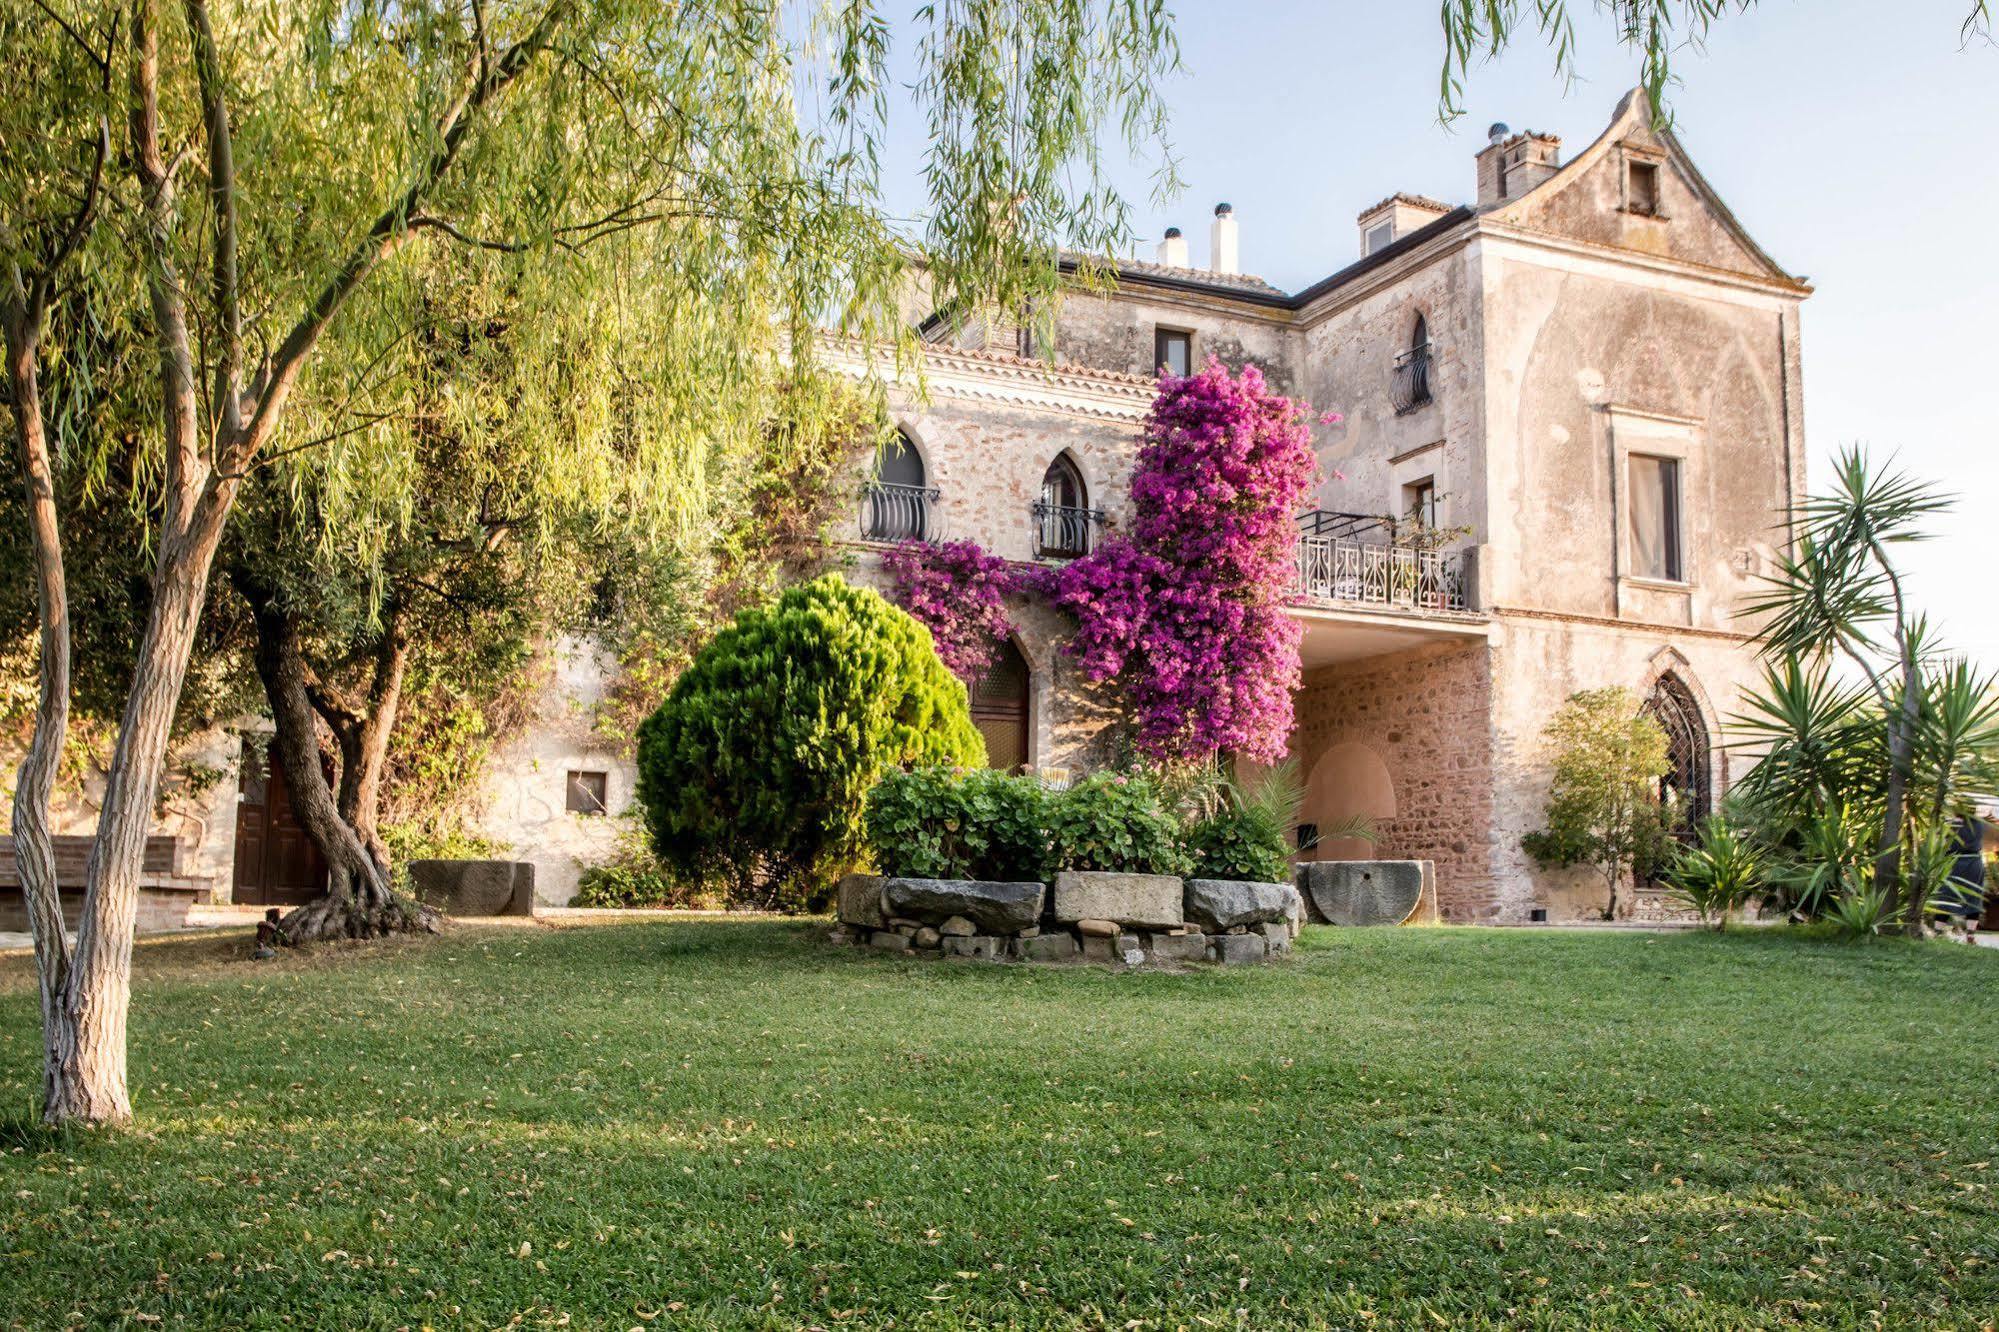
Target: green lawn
734	1124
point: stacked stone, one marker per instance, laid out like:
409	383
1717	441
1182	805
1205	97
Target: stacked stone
1128	920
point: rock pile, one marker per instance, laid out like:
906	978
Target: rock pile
1128	920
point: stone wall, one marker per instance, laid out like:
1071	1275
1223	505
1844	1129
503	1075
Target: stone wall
1425	716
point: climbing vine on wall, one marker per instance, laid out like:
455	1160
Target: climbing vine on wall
1186	612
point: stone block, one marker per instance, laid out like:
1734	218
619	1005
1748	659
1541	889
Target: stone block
1278	935
1131	950
1363	892
998	908
1099	948
1146	901
860	901
958	925
1058	947
1101	929
1178	947
926	937
889	939
1218	904
1232	948
475	887
983	947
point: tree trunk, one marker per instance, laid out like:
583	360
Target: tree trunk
359	902
34	845
365	751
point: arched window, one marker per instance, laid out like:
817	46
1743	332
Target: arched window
898	505
1410	385
1419	339
999	708
1063	521
1688	783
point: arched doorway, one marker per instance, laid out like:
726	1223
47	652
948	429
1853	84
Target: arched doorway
1348	781
999	708
1689	779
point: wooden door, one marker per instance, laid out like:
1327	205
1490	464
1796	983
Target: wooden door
276	863
999	709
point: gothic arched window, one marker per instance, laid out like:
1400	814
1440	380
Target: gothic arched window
898	505
1064	523
1689	782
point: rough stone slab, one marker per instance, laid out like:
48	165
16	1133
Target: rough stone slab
1131	950
1101	929
1232	948
475	887
1363	892
1059	947
861	901
983	947
1178	947
958	925
1218	904
889	939
927	937
1278	935
1146	901
1099	948
998	908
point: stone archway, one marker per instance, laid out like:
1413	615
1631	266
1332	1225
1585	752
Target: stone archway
1348	780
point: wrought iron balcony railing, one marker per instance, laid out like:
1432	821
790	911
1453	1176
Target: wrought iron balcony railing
1410	386
1354	558
893	512
1064	533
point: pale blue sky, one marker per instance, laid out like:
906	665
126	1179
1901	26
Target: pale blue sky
1859	150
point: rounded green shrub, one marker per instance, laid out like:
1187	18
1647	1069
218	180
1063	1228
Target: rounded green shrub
1120	822
937	823
754	772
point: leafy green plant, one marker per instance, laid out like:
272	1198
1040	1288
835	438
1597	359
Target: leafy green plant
1246	831
634	877
1861	912
936	823
754	773
1115	821
1719	873
1602	812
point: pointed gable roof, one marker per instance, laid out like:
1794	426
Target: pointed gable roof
1585	200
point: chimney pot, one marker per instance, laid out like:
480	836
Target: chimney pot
1173	249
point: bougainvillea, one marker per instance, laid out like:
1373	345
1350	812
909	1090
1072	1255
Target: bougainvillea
1187	611
958	591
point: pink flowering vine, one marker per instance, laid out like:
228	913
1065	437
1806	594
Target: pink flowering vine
1187	611
958	590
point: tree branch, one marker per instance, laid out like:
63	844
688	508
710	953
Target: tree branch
227	406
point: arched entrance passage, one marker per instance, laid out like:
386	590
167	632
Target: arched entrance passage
1349	780
999	708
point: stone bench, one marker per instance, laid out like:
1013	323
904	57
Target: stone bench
166	892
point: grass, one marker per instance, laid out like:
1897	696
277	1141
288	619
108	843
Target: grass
732	1124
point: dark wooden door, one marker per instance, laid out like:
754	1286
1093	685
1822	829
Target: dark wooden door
276	863
999	708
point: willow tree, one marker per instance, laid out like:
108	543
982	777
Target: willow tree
280	157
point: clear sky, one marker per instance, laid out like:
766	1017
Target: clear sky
1860	150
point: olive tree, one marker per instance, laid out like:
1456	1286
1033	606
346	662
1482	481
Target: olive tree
1603	802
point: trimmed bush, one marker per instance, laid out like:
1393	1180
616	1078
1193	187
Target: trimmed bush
1115	821
934	823
754	772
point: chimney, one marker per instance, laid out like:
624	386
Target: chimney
1223	256
1512	164
1173	250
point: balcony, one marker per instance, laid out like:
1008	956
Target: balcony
1359	560
1065	533
1409	388
892	512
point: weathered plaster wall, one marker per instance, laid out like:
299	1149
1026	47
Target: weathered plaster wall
1424	714
1115	332
525	803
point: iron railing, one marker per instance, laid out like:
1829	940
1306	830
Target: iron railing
894	512
1062	532
1410	386
1367	561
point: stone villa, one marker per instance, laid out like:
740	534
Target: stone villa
1572	419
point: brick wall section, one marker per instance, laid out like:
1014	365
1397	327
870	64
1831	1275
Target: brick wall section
1426	713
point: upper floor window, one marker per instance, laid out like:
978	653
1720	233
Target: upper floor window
1419	502
1064	523
1173	351
1641	193
1410	388
1379	236
899	505
1654	510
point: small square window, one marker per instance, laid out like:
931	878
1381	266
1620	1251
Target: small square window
586	793
1642	194
1419	502
1173	351
1379	236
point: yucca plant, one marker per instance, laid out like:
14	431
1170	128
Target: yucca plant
1862	912
1719	873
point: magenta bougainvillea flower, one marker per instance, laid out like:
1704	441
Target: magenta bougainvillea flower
959	591
1186	612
